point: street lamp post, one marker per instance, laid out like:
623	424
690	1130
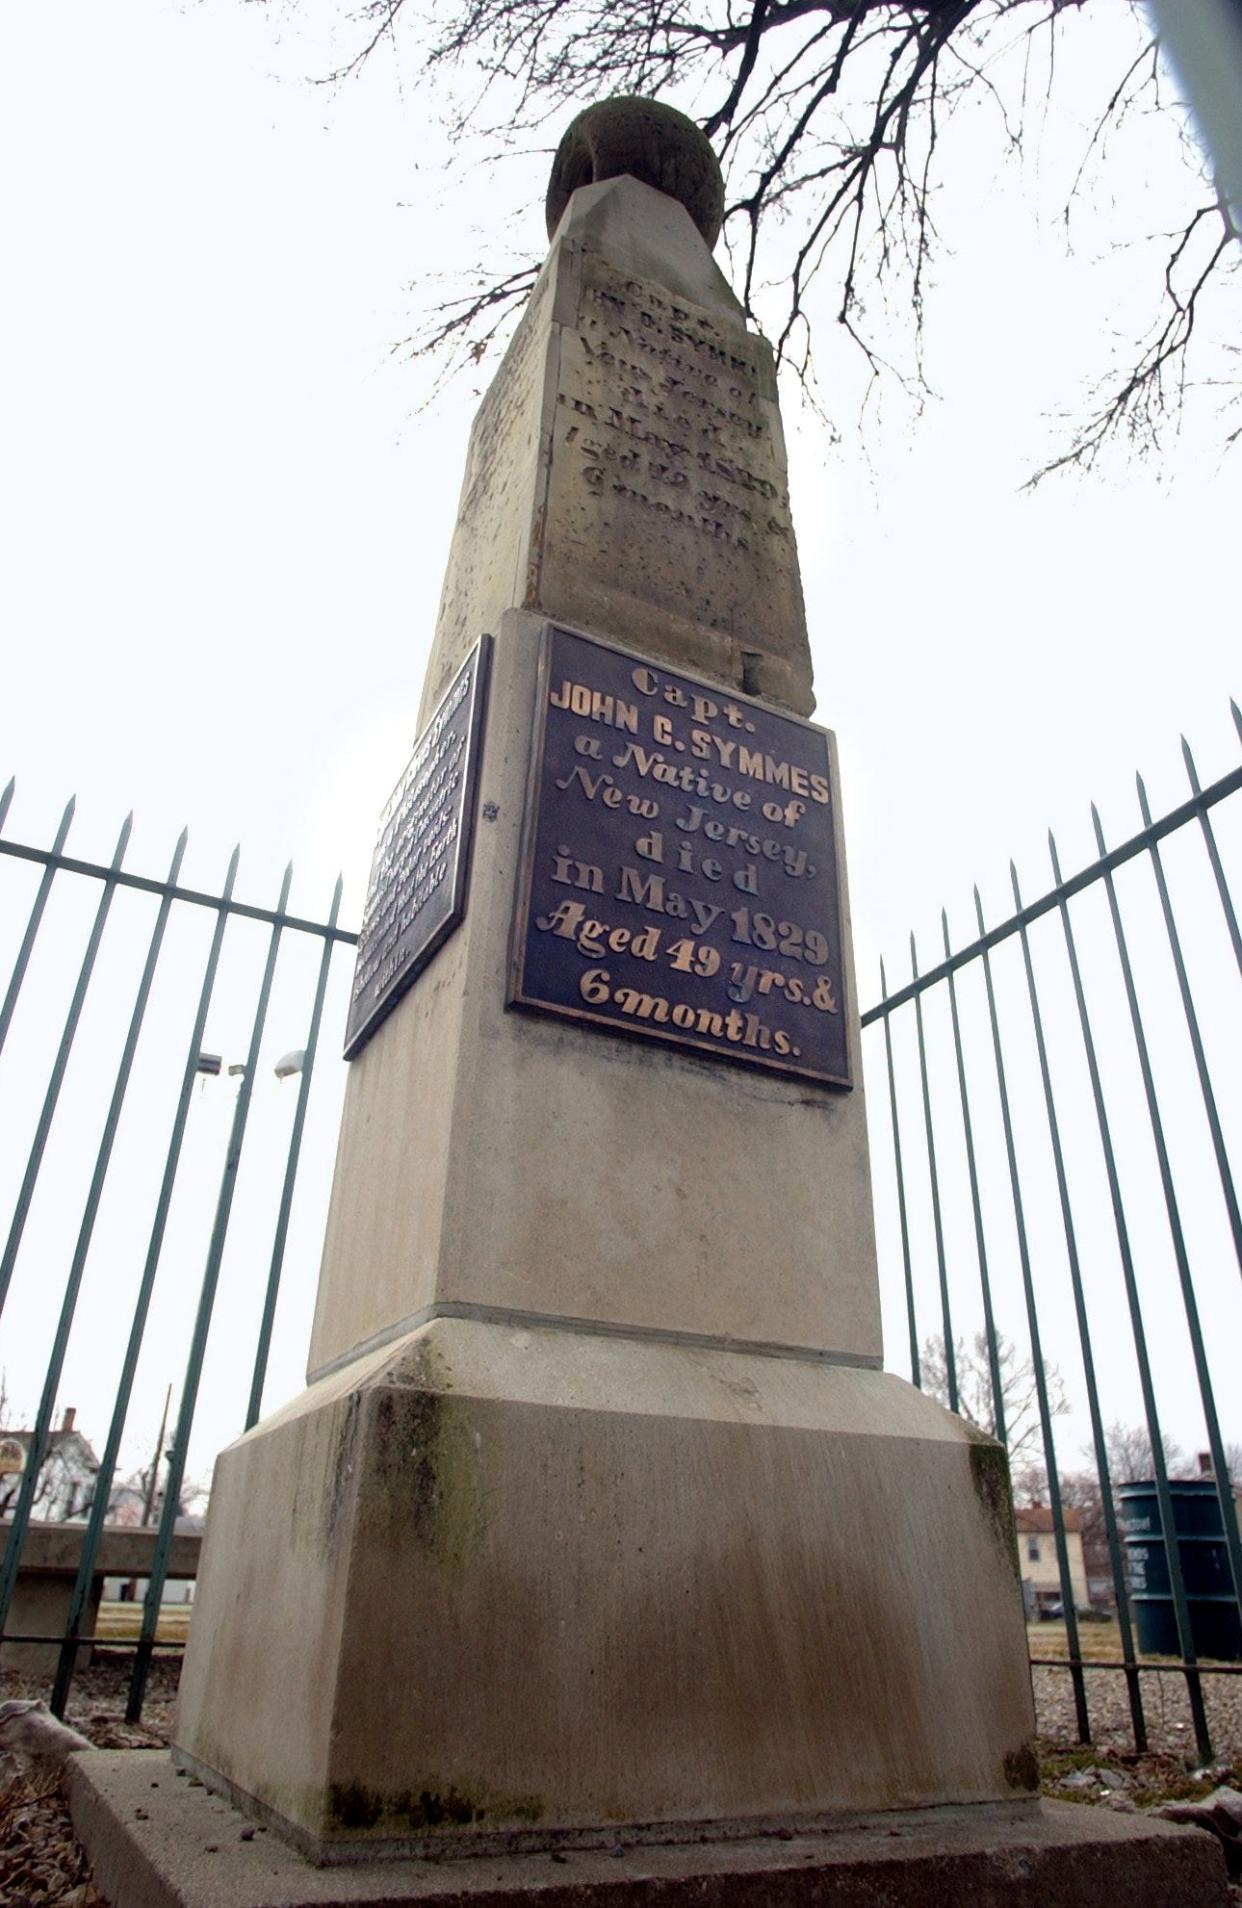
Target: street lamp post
290	1064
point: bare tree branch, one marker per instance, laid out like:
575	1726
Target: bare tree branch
976	1403
1153	389
830	117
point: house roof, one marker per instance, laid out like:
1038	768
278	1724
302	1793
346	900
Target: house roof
58	1440
1037	1517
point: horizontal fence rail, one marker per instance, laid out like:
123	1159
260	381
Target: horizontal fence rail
1044	1106
1005	1185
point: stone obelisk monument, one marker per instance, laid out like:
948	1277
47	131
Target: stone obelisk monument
599	1518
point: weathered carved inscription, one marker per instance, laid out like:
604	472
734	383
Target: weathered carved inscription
667	465
667	411
679	865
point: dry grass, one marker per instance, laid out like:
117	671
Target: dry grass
121	1622
1097	1643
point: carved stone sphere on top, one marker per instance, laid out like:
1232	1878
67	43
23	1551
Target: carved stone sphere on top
653	143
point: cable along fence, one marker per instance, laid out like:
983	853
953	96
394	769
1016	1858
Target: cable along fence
1054	1172
1061	1091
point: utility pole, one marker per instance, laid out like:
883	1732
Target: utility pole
149	1501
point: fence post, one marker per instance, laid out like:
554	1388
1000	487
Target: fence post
47	1402
120	1410
1084	1340
915	1373
950	1350
1037	1359
198	1344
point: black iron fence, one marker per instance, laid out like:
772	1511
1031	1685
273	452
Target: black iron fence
184	1061
1052	1176
1051	1161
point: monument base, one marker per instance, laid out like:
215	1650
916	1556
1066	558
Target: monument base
502	1585
160	1842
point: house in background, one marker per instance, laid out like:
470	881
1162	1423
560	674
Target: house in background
67	1475
1037	1561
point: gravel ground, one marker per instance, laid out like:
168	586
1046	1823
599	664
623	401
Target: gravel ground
1165	1705
42	1866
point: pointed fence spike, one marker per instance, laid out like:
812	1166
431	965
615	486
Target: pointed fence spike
70	806
1192	772
1055	857
7	797
1237	716
883	981
183	838
1144	804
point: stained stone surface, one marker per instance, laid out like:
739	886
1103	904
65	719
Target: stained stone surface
626	471
555	1582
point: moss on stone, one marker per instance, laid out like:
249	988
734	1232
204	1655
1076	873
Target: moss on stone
353	1807
1022	1768
425	1474
989	1474
424	1811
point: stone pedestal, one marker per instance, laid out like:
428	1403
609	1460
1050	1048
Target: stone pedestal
598	1511
540	1585
599	1519
158	1842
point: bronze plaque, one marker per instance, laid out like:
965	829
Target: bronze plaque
679	873
417	892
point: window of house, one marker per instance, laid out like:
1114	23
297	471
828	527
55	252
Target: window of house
1032	1549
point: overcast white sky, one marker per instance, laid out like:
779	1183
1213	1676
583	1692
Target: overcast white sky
225	512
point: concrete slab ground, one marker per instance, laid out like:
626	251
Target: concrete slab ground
158	1840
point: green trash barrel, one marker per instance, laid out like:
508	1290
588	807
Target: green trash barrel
1214	1621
